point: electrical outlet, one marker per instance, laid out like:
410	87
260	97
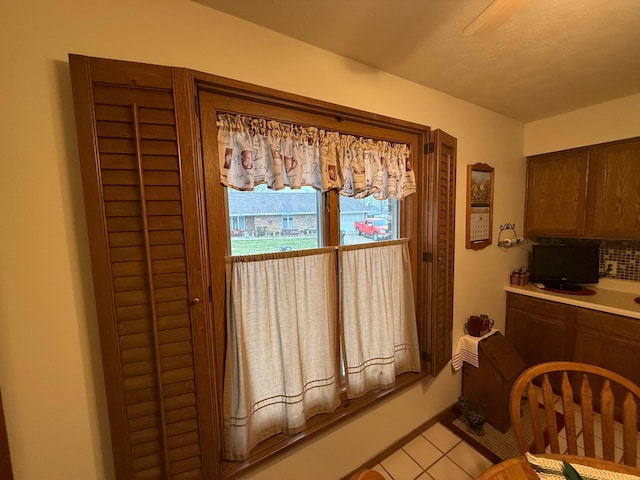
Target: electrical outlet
611	267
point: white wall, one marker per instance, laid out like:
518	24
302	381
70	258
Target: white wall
605	122
50	369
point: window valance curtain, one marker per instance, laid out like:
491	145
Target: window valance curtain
256	151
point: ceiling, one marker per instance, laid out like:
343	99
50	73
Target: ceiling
549	57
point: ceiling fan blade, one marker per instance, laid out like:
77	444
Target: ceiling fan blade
493	16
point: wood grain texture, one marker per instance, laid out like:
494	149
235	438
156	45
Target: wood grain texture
544	331
589	192
556	200
606	410
154	204
136	216
519	469
617	197
533	322
440	242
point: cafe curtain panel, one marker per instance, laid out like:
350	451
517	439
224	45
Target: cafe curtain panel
380	338
256	151
281	364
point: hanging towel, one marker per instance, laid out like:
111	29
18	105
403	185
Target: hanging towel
467	350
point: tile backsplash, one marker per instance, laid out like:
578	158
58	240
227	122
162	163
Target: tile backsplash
625	252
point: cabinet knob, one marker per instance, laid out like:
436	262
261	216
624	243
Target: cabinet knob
195	301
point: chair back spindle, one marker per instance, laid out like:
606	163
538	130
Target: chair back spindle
589	419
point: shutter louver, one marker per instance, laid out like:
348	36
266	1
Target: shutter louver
138	170
444	165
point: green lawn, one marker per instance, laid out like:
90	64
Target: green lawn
250	246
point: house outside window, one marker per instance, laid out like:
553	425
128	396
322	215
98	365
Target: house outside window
268	221
275	221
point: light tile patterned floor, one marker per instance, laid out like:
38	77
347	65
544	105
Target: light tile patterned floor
439	454
436	454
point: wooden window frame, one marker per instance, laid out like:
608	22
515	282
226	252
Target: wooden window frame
244	99
421	223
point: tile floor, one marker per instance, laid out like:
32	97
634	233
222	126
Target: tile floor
439	454
435	454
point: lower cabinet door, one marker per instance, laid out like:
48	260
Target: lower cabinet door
609	341
538	329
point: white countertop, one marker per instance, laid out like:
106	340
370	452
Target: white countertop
612	296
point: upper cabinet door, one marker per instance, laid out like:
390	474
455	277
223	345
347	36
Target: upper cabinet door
617	196
556	201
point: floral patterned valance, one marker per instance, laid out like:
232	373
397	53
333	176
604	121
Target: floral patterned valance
255	151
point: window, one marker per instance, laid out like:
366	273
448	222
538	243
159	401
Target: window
288	222
277	225
269	221
237	225
367	220
284	333
275	220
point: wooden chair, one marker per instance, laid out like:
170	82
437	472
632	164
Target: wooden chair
573	382
366	475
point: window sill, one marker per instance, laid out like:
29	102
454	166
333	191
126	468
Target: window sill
274	446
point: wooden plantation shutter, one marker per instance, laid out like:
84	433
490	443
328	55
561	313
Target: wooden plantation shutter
441	182
149	266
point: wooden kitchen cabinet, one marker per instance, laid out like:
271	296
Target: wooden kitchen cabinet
543	330
608	340
617	195
538	329
556	202
591	192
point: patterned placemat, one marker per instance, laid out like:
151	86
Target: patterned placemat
551	469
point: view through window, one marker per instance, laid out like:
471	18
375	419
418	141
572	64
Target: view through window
270	221
367	219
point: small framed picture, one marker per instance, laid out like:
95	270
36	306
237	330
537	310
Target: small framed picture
479	206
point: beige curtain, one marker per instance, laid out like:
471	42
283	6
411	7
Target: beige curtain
379	333
281	361
253	151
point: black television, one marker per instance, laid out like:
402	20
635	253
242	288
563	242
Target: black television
564	267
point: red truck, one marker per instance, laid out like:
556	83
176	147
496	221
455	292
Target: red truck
378	228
